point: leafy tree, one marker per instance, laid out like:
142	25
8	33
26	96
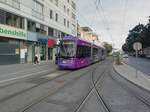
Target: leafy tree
145	35
108	47
125	47
134	36
139	33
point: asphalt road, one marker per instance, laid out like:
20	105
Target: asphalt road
141	64
74	91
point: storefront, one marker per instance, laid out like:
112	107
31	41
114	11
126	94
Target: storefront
37	45
12	45
51	49
42	46
32	42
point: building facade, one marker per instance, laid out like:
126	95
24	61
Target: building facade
32	27
86	33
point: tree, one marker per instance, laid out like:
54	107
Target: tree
134	36
140	33
125	47
108	47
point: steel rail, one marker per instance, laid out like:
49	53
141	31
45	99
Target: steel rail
92	90
27	107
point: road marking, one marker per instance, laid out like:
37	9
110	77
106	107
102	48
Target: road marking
21	77
54	74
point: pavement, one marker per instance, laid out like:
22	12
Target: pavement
128	72
142	64
10	73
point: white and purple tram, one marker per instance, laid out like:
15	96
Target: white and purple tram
75	53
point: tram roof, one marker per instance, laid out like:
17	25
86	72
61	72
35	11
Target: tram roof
78	39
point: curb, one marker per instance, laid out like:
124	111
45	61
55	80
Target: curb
138	85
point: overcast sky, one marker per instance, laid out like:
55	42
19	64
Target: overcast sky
117	17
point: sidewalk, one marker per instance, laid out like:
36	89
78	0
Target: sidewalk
13	72
129	73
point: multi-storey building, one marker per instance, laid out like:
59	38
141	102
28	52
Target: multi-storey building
87	34
30	27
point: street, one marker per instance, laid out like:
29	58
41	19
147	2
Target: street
97	88
142	65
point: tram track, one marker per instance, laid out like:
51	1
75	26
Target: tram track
94	89
40	99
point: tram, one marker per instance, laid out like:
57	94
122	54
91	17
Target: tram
76	53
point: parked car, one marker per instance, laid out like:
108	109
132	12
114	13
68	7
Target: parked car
125	56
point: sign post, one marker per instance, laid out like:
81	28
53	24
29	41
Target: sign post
137	46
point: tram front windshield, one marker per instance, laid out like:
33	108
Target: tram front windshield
67	49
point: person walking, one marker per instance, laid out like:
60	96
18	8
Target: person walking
36	59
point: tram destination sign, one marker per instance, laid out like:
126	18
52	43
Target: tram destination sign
11	32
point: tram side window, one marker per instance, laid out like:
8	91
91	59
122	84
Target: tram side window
95	52
83	51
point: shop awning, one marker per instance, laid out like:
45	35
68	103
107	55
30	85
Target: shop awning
51	43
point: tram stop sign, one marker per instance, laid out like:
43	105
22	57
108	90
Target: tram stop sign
137	46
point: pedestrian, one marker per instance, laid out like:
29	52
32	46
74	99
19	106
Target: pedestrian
36	59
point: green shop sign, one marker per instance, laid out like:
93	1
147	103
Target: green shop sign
7	31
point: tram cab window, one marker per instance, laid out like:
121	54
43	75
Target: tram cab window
67	49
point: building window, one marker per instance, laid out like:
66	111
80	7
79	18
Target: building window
68	11
73	5
2	17
12	3
56	2
50	31
36	27
31	26
64	22
38	10
51	14
56	18
64	8
11	19
68	24
73	16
